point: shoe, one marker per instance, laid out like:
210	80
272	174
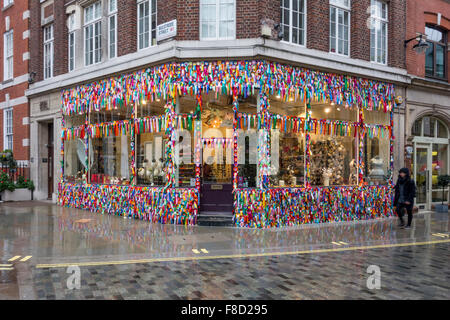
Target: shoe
401	225
407	227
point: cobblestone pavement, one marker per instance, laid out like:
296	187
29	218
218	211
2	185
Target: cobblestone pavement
128	259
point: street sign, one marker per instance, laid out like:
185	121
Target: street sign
166	30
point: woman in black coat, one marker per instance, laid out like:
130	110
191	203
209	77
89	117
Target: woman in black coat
405	192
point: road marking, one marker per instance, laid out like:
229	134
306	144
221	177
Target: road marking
336	243
233	256
204	251
25	259
14	258
5	265
344	243
442	235
195	251
6	269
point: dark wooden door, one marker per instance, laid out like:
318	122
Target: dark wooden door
217	197
50	160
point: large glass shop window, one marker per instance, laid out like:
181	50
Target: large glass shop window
331	111
150	159
377	159
74	160
247	143
74	120
217	134
118	114
111	160
377	117
287	143
333	160
439	167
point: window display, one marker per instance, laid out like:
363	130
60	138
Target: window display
332	111
111	159
333	160
376	159
150	159
74	160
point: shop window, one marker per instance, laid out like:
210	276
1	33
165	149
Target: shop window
377	160
333	160
188	104
429	126
377	117
439	163
150	159
184	158
104	116
111	160
442	131
247	158
287	143
151	108
333	112
417	128
74	160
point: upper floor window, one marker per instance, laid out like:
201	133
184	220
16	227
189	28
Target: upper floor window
8	55
435	56
7	3
71	42
378	31
8	129
340	26
293	21
93	33
48	51
112	28
146	24
217	19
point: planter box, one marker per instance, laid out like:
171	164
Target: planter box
16	195
441	208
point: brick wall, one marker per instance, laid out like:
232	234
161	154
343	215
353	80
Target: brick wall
248	24
360	34
60	39
419	14
19	25
36	36
188	17
397	33
127	27
318	25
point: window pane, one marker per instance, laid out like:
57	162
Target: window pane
417	128
74	160
434	34
429	60
428	126
440	56
111	160
376	158
439	163
150	159
442	130
333	112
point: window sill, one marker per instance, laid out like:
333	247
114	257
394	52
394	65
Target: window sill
7	81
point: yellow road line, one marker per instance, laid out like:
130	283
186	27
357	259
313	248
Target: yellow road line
195	251
336	243
342	242
14	258
6	269
233	256
25	259
5	265
204	251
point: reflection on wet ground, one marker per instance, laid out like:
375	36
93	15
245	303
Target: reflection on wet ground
51	233
36	233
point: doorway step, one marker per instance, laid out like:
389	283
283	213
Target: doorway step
215	219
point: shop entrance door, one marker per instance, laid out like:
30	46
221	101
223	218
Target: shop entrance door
422	175
217	185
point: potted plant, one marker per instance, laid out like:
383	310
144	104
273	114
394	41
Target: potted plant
19	191
443	181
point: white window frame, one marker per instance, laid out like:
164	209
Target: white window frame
8	54
112	14
217	20
48	51
6	126
151	13
71	43
376	20
96	23
7	3
345	6
304	27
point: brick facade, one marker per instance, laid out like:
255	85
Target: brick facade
12	93
419	15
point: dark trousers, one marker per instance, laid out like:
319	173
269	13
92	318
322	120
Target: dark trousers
401	211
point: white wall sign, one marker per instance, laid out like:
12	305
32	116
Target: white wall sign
166	30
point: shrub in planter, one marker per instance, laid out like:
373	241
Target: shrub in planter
23	183
6	183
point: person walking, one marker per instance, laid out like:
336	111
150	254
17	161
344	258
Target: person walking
405	192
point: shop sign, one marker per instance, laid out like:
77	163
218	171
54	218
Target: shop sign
166	30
